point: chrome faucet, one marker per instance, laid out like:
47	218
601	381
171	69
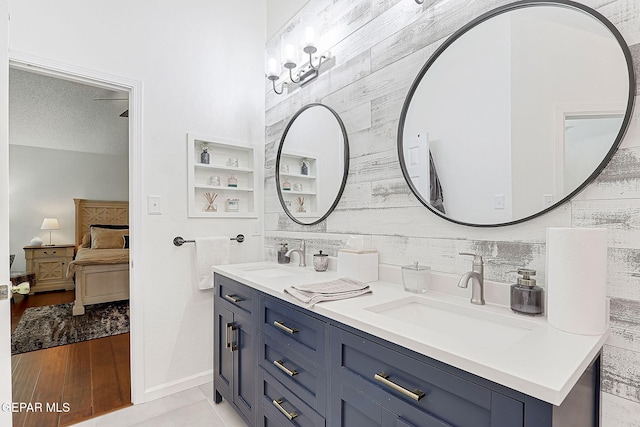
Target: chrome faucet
301	254
476	275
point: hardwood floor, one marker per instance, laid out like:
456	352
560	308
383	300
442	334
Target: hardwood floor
78	381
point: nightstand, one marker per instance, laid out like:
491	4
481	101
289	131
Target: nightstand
49	263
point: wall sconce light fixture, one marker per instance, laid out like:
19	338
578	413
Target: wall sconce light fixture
290	44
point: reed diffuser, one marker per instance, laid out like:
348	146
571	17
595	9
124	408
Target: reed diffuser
210	198
301	208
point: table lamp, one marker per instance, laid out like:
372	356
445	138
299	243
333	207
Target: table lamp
50	224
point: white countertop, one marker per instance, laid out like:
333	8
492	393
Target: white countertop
546	363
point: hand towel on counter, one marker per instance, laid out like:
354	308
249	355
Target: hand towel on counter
210	251
328	291
577	280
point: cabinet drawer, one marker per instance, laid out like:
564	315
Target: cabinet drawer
233	293
48	253
354	408
281	407
295	330
407	386
298	374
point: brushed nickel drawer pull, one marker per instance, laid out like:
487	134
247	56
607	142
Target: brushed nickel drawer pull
234	299
384	379
284	327
280	365
278	404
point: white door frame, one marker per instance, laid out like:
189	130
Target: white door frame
134	87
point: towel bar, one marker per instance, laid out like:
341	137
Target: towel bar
179	241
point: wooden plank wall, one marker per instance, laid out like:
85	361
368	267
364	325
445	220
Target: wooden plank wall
379	47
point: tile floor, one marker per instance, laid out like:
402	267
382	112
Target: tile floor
192	408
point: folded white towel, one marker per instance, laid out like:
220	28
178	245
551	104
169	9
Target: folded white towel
210	251
328	291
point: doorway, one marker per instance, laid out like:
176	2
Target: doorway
133	90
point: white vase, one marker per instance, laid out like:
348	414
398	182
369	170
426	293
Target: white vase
36	241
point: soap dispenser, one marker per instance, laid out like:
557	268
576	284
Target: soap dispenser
282	254
526	297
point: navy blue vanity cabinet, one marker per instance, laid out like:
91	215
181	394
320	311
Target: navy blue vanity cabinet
409	391
282	365
293	365
235	342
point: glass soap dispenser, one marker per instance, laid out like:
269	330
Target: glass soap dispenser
526	297
282	254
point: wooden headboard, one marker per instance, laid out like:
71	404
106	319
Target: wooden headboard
89	212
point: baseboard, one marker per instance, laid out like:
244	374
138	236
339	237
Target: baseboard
177	386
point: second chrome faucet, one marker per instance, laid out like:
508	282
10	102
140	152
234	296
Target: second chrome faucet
301	254
476	275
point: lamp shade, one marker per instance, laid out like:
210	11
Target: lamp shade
289	50
50	224
310	34
272	66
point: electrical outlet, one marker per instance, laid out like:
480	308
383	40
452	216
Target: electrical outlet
154	207
547	200
498	202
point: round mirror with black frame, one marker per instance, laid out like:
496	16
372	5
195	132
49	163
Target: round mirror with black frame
312	164
516	112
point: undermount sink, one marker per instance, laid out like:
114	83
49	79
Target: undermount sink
273	271
468	326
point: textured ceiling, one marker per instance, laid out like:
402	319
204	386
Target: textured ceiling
54	113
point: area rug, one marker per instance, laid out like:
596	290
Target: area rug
54	325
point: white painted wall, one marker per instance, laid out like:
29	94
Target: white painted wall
179	51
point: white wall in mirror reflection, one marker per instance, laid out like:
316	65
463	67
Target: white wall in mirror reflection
317	135
492	106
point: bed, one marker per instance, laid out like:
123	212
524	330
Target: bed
101	270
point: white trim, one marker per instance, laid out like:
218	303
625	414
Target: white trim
70	72
562	111
177	386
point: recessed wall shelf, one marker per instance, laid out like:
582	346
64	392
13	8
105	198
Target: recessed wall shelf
229	162
290	172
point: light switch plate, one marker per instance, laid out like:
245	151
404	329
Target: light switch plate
154	206
255	228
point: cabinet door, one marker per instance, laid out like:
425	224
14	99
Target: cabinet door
222	355
506	412
243	346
